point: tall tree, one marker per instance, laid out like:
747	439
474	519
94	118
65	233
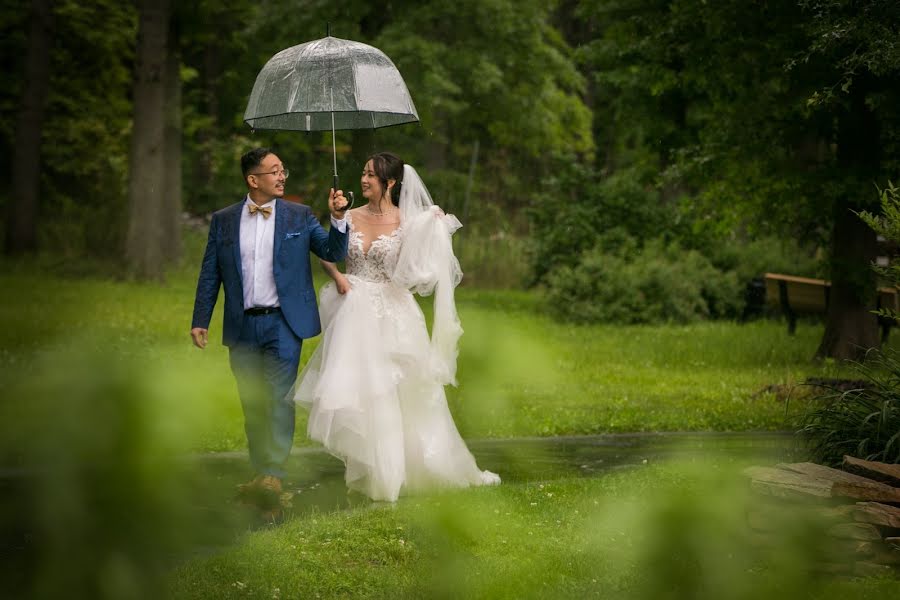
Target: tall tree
146	185
21	223
172	203
780	114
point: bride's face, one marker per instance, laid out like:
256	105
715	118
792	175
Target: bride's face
370	184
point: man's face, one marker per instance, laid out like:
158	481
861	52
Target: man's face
268	177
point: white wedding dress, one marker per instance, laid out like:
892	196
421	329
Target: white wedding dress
375	384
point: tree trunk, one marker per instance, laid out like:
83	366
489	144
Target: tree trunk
203	169
172	204
850	327
21	217
146	184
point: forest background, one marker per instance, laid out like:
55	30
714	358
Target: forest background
632	161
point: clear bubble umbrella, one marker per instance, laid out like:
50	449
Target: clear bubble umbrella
329	84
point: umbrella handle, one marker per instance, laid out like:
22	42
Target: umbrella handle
349	196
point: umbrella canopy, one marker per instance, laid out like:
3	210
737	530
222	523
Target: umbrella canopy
329	83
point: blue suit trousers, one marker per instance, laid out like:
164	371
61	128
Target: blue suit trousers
264	362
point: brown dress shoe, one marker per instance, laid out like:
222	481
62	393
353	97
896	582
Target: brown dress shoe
270	484
249	487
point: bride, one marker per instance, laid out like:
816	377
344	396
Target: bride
375	384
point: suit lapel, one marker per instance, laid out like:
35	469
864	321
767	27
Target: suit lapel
280	218
236	222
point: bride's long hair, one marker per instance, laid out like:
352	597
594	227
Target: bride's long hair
388	165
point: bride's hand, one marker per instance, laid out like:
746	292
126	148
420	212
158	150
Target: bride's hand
343	284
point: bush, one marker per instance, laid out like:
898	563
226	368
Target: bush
578	204
749	259
616	281
887	225
863	422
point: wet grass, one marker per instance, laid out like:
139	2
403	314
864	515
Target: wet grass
661	531
104	439
520	373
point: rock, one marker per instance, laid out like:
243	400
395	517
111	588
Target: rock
781	483
877	471
792	481
846	484
877	514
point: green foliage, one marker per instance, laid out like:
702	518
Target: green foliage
887	225
619	282
864	422
765	254
87	124
578	204
97	494
495	71
770	118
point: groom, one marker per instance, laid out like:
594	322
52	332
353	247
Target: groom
258	250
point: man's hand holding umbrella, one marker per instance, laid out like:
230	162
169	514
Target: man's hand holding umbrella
338	204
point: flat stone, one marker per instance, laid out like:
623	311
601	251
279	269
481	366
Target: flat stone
785	484
877	471
877	514
845	484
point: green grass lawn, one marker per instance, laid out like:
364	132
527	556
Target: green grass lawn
672	530
103	388
520	373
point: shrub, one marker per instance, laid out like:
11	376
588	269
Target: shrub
578	204
887	225
616	281
863	422
752	258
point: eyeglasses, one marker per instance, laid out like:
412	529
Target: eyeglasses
275	173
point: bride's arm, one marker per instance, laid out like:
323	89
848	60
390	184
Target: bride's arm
342	283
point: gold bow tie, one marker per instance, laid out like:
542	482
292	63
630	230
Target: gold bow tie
265	210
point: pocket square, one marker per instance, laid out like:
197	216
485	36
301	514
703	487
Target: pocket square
293	234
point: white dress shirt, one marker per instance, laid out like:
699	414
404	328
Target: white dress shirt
257	267
257	260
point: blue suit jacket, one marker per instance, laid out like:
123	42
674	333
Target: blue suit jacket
297	231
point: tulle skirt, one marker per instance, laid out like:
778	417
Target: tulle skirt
374	400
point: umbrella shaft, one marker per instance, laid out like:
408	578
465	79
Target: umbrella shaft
333	146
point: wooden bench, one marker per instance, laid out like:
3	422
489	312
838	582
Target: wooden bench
802	295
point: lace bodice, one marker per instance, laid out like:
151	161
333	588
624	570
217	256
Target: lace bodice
378	263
